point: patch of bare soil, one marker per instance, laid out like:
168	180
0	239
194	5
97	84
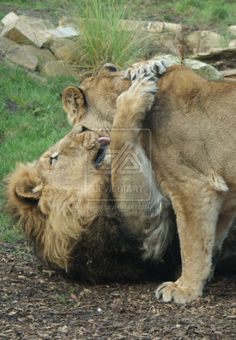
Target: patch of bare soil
40	304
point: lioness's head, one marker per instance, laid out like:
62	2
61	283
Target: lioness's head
61	194
93	103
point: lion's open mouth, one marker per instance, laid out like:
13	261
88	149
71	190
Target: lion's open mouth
104	142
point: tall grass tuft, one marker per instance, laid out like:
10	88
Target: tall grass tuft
102	38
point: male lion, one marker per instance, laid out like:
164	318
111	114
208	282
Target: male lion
193	125
65	205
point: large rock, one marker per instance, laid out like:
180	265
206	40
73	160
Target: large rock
203	41
7	45
30	57
150	26
21	56
205	70
58	68
65	49
27	30
42	55
172	28
10	18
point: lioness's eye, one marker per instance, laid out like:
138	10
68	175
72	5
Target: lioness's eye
53	158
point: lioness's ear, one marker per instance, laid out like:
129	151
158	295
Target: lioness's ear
73	101
110	67
24	186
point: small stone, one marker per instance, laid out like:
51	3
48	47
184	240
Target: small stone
232	43
64	32
14	312
63	329
232	30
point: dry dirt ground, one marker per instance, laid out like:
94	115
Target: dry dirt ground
40	304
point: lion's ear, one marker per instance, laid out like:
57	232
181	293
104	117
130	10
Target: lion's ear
24	185
26	190
73	100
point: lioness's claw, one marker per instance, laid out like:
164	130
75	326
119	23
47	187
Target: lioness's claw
172	291
153	67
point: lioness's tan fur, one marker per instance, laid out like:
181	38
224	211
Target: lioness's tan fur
193	127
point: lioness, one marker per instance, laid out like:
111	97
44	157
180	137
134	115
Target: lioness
193	126
66	207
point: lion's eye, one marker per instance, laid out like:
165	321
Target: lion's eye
53	158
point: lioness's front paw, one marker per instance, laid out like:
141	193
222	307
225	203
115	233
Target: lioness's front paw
140	96
172	291
152	67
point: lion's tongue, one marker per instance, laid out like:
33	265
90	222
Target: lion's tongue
104	140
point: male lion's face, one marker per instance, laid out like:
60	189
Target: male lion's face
61	194
93	104
74	162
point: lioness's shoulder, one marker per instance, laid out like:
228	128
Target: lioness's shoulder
180	80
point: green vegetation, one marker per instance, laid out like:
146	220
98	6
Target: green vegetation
193	13
50	8
102	39
31	120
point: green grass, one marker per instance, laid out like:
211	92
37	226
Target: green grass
214	14
195	14
207	13
102	39
49	8
32	119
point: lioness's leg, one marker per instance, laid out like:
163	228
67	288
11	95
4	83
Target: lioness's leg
222	230
133	186
197	209
125	146
223	226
